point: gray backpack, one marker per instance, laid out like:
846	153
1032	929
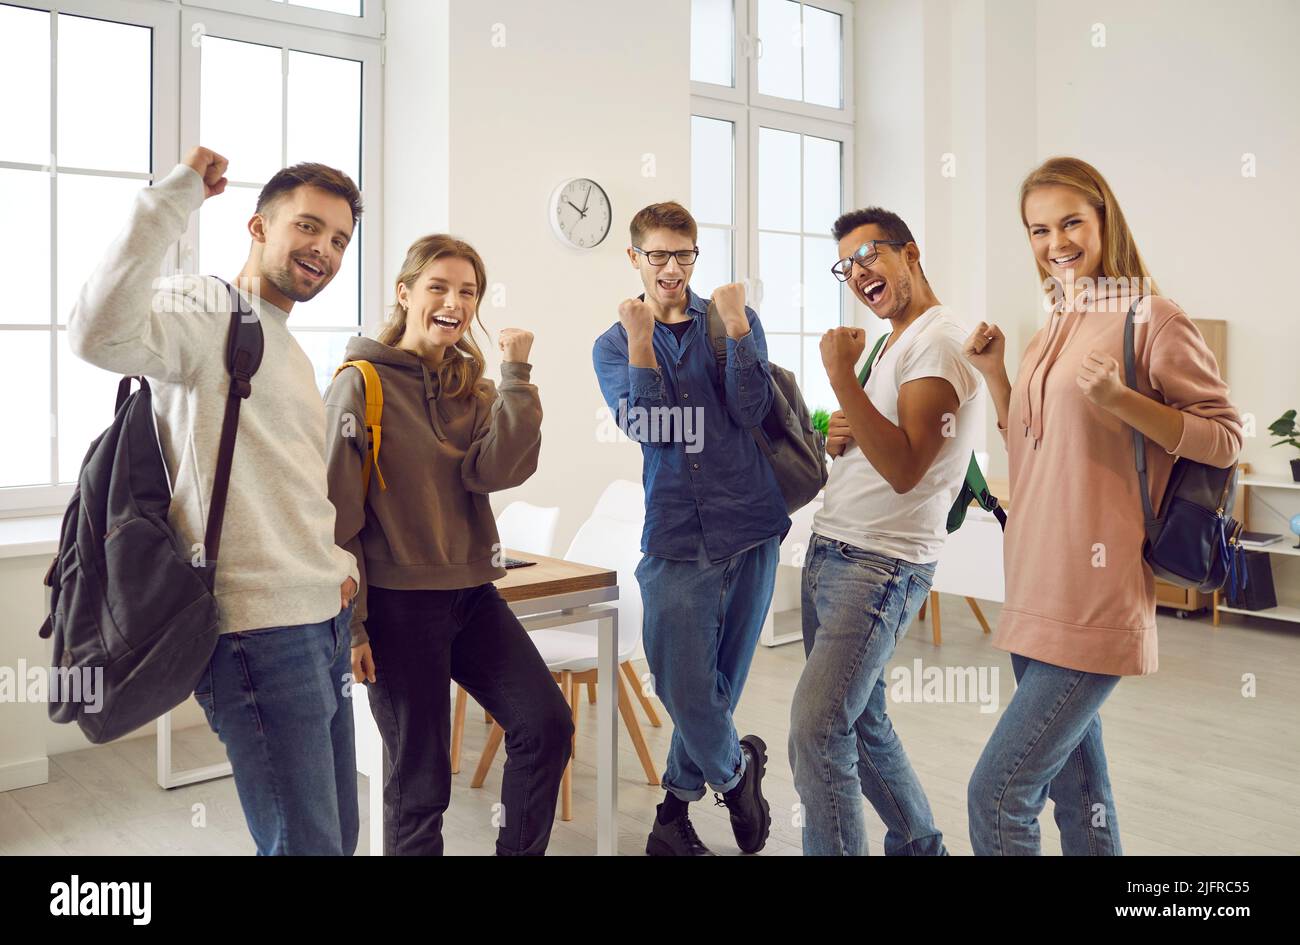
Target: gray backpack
786	436
133	618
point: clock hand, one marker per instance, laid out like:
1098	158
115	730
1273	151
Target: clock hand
587	201
581	212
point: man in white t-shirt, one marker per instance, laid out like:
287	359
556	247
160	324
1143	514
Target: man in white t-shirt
901	444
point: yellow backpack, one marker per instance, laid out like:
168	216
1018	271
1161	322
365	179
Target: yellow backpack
374	410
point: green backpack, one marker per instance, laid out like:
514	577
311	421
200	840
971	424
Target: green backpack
973	489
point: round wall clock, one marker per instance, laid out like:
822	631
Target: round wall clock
580	213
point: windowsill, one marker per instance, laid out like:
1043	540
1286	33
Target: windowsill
29	535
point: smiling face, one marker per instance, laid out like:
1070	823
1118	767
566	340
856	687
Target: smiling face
302	237
885	286
664	284
439	304
1064	233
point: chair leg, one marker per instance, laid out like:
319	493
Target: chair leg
489	752
458	728
920	614
570	690
936	633
634	730
979	614
646	704
591	693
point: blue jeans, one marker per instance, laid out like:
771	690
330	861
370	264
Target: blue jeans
857	605
1047	744
275	697
702	623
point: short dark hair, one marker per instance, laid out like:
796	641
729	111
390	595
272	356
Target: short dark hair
663	216
890	223
310	175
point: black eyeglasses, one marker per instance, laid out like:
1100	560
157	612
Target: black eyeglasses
865	256
659	257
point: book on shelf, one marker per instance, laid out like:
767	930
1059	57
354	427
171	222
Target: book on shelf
1258	539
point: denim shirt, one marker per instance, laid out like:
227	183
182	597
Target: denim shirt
709	491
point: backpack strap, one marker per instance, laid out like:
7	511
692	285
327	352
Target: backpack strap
1139	441
871	359
718	342
374	391
244	345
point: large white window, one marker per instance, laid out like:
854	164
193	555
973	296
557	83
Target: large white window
771	164
100	114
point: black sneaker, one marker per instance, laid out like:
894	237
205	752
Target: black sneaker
675	838
751	818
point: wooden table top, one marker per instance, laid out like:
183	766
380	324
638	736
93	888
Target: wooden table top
550	576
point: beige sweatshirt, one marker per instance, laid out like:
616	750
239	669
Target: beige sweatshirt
433	527
279	564
1078	592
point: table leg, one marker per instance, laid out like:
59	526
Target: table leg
607	735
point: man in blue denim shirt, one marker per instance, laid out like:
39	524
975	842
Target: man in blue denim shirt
714	519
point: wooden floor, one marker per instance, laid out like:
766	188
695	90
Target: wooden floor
1197	767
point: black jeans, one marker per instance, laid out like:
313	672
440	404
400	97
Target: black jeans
421	640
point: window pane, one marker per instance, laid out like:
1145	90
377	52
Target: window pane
822	57
783	350
714	267
239	106
325	112
25	381
816	386
25	65
350	7
339	303
778	267
105	101
712	160
25	249
778	180
223	231
92	212
779	65
86	398
821	184
325	348
713	42
821	292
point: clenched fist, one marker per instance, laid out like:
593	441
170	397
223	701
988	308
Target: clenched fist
1100	379
515	343
841	348
730	300
209	165
986	348
637	318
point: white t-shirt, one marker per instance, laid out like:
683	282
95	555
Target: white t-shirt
860	506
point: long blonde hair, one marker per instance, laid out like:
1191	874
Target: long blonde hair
1120	258
458	373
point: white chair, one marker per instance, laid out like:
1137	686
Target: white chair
611	539
523	527
528	528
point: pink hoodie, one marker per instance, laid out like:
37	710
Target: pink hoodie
1078	592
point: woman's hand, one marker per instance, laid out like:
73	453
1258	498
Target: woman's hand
986	349
1100	379
515	343
363	664
347	591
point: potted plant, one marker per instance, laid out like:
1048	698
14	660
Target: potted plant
821	421
1285	428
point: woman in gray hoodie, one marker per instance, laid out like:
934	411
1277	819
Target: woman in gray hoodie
413	508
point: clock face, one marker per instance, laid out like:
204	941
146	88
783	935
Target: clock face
580	213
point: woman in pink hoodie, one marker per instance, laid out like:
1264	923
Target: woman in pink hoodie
1080	599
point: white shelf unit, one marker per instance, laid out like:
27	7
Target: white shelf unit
1285	610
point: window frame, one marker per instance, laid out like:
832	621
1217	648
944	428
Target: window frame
750	110
174	98
371	22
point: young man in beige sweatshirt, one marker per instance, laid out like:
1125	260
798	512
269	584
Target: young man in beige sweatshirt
274	688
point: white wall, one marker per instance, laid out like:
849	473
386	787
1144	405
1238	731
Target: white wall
575	89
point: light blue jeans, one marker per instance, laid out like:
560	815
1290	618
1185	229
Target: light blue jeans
276	698
702	623
857	605
1047	744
